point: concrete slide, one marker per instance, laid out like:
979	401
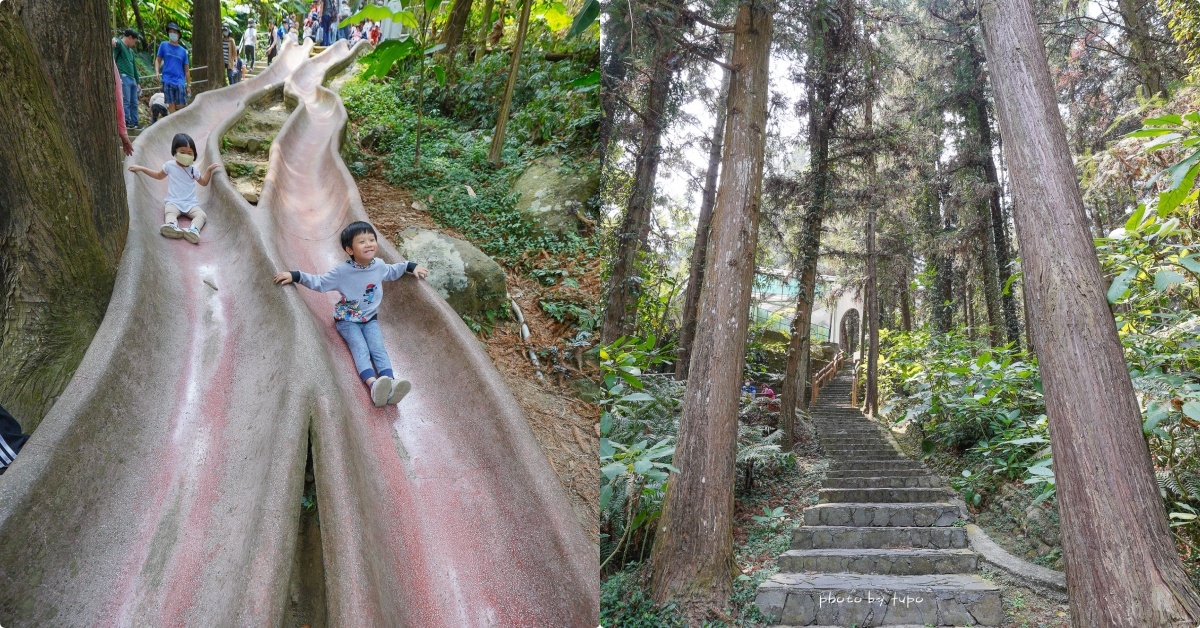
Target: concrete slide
164	487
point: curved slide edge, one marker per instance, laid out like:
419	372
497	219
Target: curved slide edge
442	511
161	489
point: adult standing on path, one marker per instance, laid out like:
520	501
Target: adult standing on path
326	28
127	69
171	65
248	40
229	52
343	13
273	37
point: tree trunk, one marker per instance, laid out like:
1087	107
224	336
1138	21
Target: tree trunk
455	25
141	26
693	548
941	302
872	305
494	154
617	30
691	297
1122	566
796	375
620	312
1141	47
57	265
481	43
1000	246
206	45
905	304
991	280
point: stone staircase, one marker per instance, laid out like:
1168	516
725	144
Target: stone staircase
880	548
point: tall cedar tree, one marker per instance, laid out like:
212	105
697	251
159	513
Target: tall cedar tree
1122	567
620	312
691	297
693	546
833	39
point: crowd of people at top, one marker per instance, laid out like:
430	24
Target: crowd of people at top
172	64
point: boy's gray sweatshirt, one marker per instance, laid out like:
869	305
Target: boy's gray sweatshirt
361	287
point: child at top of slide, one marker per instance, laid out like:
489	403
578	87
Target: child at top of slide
182	178
360	282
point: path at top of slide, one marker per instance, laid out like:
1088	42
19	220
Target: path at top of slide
164	487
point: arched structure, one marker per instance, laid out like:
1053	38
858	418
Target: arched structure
848	331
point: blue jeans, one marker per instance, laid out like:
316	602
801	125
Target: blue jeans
129	95
366	345
175	94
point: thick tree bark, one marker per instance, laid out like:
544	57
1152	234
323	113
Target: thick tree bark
206	45
693	548
691	297
1122	567
497	147
941	303
56	272
905	305
455	25
620	312
484	27
81	73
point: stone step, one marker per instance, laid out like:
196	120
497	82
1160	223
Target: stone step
854	472
858	448
854	537
883	495
899	562
864	600
869	464
938	514
920	481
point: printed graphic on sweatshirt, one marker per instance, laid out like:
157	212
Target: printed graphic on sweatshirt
351	310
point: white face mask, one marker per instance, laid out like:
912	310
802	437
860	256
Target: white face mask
184	159
173	36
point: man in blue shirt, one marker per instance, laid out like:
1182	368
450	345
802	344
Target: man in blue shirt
172	60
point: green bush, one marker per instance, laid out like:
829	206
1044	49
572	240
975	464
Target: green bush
453	166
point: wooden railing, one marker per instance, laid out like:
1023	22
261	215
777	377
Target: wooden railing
824	375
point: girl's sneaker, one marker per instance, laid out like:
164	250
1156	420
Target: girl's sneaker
170	230
400	387
192	234
381	390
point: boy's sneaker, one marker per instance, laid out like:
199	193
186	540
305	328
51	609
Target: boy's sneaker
192	234
170	230
381	390
400	387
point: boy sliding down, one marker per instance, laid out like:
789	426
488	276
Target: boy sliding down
360	282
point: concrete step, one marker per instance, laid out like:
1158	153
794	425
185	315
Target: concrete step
855	537
874	464
939	514
899	562
858	448
926	481
854	472
883	495
879	600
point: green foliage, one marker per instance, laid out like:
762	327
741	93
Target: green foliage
624	603
583	318
455	157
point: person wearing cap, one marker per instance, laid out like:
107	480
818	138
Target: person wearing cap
229	52
127	68
171	65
